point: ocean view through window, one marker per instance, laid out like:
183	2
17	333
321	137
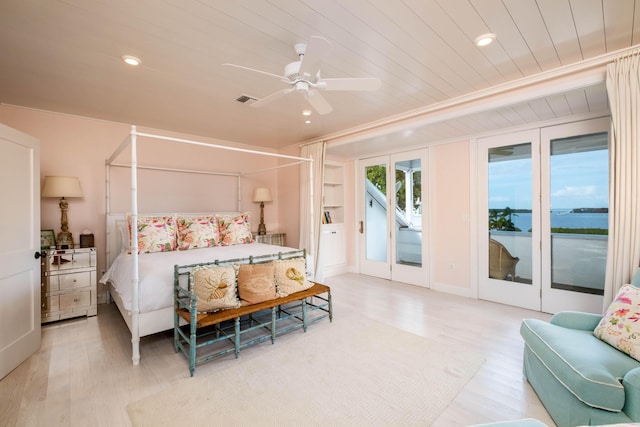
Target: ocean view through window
575	184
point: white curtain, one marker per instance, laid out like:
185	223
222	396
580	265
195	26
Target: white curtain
623	88
311	204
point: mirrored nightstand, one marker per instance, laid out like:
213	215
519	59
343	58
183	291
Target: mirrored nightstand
279	239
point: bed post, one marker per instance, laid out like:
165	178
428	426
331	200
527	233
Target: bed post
239	193
135	331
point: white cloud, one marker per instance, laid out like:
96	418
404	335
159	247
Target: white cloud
570	191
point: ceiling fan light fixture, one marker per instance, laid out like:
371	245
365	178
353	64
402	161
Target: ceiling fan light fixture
485	39
131	60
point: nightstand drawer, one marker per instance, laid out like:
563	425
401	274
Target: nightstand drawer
72	280
71	259
66	282
76	299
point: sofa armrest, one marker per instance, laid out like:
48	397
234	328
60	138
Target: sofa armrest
576	320
631	383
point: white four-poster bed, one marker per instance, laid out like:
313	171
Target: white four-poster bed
129	274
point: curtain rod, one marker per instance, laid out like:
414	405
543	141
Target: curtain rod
310	143
628	55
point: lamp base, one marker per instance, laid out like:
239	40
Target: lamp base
262	229
64	240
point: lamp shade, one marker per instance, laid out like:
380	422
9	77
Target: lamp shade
262	194
61	186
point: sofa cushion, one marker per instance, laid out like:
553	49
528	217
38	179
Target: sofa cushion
635	280
589	368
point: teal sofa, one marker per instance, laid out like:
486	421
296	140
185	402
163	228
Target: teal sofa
580	379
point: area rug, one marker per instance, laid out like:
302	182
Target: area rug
354	371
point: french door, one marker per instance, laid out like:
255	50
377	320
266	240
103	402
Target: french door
543	198
509	187
392	226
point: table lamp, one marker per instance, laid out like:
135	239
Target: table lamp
62	187
262	195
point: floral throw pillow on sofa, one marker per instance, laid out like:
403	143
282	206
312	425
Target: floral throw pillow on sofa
620	326
234	230
197	232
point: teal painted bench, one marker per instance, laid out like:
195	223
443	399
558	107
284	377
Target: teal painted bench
229	331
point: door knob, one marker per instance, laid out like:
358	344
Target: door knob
37	255
361	227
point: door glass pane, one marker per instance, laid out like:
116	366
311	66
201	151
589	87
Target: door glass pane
408	215
510	212
579	190
376	212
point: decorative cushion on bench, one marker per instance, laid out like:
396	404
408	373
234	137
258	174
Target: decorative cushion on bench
215	287
256	282
290	276
589	368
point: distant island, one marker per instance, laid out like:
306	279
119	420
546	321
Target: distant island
590	210
575	210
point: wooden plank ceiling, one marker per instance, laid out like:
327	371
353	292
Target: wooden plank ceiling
65	56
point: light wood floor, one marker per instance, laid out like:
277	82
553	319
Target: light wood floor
82	374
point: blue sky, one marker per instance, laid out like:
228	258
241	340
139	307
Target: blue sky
578	180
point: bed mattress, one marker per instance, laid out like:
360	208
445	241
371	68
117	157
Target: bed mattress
155	271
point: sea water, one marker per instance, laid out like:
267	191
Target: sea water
565	219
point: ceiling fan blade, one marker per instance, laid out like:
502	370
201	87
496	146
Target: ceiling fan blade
318	102
317	49
270	98
256	71
360	84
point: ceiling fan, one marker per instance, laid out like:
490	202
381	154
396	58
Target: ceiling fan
303	76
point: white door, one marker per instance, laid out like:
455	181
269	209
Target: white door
19	242
375	237
543	232
509	186
575	215
393	228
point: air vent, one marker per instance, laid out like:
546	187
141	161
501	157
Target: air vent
246	99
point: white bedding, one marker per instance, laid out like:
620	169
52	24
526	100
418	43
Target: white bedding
155	271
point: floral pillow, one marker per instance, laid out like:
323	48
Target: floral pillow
290	276
155	234
234	230
215	287
620	326
197	232
256	282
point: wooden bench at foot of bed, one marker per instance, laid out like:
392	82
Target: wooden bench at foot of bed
255	322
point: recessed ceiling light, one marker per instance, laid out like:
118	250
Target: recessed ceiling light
306	112
307	121
485	39
131	60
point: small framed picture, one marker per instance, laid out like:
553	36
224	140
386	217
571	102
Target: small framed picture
47	239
